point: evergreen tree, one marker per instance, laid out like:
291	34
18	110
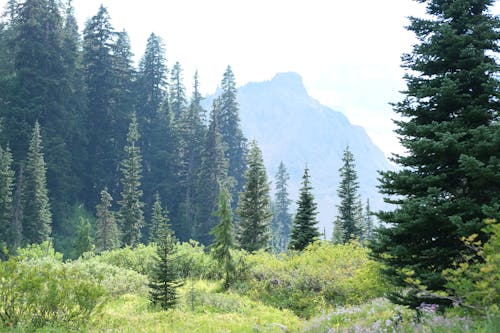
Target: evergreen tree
229	126
159	141
37	218
191	131
107	234
223	236
213	174
282	220
304	230
17	222
367	222
349	209
178	101
338	232
158	218
38	88
83	241
6	199
131	215
449	179
164	277
98	41
254	205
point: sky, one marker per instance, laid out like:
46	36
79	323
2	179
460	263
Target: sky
347	52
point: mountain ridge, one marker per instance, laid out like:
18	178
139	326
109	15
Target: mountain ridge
291	126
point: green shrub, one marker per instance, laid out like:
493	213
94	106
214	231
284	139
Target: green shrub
140	259
115	280
321	275
37	293
475	282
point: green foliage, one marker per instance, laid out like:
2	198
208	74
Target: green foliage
164	277
115	280
37	218
304	230
107	234
323	274
349	210
254	208
475	281
281	223
37	293
131	216
6	199
448	180
84	241
140	259
223	237
194	261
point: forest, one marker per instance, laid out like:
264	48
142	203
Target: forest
126	206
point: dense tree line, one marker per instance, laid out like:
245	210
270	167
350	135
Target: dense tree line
109	130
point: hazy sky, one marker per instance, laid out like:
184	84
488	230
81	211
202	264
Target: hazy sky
347	52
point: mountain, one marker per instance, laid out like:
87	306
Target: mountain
290	126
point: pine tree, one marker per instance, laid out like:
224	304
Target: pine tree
349	208
304	230
191	131
282	220
83	241
6	199
178	101
164	278
338	232
158	217
213	174
448	181
107	234
254	209
223	236
229	125
131	216
100	80
368	222
37	218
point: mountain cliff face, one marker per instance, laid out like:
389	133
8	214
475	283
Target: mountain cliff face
292	127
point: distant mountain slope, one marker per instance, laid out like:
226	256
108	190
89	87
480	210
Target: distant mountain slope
292	127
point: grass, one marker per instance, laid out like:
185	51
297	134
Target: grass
208	311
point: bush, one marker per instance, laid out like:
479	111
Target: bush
37	293
475	283
140	259
323	274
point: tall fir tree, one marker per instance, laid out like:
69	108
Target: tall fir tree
159	140
37	217
84	242
39	89
164	277
368	224
213	174
192	130
158	218
6	200
223	237
304	230
229	126
449	179
177	99
131	216
98	41
349	208
107	233
254	206
281	223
